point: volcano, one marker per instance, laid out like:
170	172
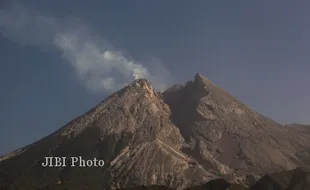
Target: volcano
185	136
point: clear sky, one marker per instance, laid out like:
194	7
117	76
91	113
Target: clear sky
59	58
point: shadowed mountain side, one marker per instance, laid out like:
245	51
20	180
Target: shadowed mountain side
298	179
224	134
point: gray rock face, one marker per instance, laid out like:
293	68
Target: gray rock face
187	135
231	138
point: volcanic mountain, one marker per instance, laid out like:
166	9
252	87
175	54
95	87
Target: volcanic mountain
187	135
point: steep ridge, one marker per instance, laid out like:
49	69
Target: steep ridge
185	136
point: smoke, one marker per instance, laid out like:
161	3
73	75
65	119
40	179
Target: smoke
98	66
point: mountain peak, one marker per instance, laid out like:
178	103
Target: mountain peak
199	76
202	80
141	81
145	85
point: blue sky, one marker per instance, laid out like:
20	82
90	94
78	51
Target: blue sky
60	58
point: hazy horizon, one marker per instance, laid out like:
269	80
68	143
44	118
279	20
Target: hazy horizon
60	58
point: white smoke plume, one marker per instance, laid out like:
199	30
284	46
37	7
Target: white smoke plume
98	66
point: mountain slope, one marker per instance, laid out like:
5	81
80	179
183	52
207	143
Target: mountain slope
297	179
302	132
182	137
